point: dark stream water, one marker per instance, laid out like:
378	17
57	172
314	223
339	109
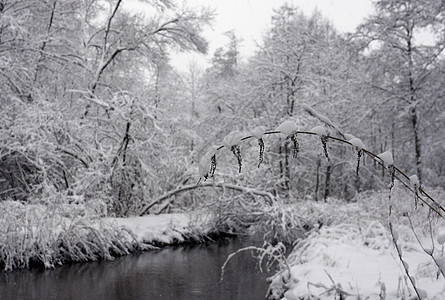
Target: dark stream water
190	272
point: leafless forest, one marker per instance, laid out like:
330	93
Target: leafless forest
95	122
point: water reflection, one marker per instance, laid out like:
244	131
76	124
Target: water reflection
172	273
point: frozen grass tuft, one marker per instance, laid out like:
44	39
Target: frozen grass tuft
48	236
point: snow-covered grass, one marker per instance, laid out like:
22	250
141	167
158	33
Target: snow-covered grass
357	263
352	255
51	235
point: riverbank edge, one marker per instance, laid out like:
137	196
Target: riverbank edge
107	239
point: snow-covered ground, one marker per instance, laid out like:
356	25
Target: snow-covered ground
359	262
352	254
163	229
49	236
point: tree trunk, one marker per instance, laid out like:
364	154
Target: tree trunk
414	113
417	144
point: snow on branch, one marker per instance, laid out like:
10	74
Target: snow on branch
358	146
232	139
325	120
258	132
93	98
322	132
386	157
287	128
357	143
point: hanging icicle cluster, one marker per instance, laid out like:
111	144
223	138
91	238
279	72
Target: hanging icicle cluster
358	146
289	129
208	159
213	166
359	156
232	142
237	152
324	142
207	164
261	158
258	133
296	145
387	160
323	134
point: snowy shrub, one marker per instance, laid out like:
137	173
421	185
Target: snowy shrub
284	223
232	212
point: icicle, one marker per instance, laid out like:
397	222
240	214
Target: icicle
387	159
289	129
323	133
358	146
324	142
232	141
296	145
209	158
258	133
359	155
261	144
237	152
213	166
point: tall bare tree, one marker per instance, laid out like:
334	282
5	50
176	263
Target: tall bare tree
403	62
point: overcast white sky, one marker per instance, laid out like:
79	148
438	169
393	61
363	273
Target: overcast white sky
250	18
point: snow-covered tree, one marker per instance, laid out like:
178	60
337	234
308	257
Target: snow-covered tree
82	85
401	64
303	60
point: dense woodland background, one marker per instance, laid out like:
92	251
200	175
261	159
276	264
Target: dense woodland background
92	111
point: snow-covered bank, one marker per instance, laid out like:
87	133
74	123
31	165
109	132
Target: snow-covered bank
358	263
352	255
52	235
161	229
